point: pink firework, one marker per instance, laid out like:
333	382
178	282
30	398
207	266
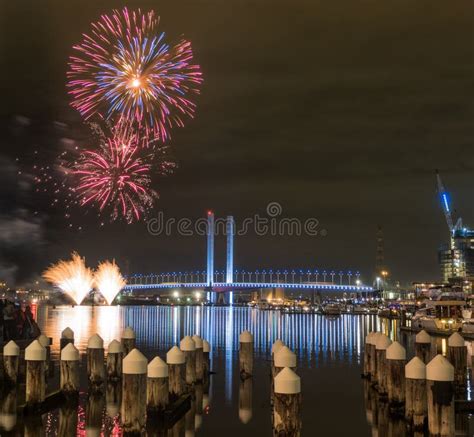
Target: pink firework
116	178
125	70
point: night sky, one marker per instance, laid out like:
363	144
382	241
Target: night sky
337	110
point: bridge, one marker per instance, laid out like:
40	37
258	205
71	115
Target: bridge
232	280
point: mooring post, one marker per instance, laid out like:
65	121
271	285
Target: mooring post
284	357
95	360
246	354
67	420
69	369
199	357
35	356
367	353
114	360
373	358
11	359
157	385
206	351
128	340
287	407
275	348
415	394
46	343
381	345
134	392
423	346
396	359
245	400
113	398
176	370
457	356
67	336
188	347
440	396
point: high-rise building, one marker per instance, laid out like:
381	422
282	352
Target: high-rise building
456	259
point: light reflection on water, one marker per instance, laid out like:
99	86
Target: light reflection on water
329	351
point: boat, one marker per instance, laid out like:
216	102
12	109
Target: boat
440	317
332	309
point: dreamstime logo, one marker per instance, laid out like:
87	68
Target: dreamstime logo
271	224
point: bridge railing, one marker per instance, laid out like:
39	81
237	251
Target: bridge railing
293	276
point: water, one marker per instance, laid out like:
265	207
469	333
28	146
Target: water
329	352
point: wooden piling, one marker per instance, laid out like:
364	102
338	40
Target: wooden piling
134	392
67	336
423	346
113	398
245	400
373	357
69	369
95	360
396	360
206	351
246	354
157	385
199	357
35	356
176	371
128	340
94	412
382	343
188	347
367	352
287	407
11	359
68	420
114	360
275	348
189	420
46	343
416	407
440	397
457	356
284	357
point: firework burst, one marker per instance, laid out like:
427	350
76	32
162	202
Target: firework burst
108	280
115	177
72	277
125	70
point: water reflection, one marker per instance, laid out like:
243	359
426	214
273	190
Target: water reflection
329	352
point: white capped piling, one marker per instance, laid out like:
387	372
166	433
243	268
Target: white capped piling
188	347
8	410
246	354
372	365
95	360
381	345
114	360
206	351
134	392
367	352
128	340
245	400
176	370
416	407
284	357
35	356
67	336
69	369
276	346
46	343
11	359
457	356
199	357
440	396
287	404
396	359
423	346
157	385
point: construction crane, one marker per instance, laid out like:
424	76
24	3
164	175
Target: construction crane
446	205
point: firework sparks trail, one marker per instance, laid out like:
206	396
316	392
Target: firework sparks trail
125	70
72	277
108	280
115	177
